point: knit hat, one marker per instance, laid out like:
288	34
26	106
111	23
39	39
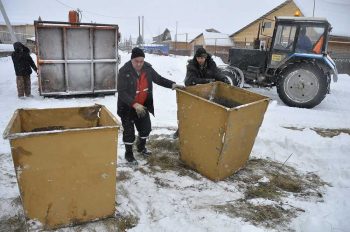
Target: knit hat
201	52
137	52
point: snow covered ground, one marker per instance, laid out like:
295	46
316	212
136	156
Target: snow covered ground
6	48
186	205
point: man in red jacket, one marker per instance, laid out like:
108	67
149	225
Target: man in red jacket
135	100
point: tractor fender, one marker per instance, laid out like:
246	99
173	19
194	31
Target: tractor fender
324	59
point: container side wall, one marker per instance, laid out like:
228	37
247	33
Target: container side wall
107	118
201	129
219	90
242	129
16	125
202	91
68	177
236	94
59	119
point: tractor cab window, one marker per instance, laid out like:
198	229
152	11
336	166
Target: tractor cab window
284	39
310	39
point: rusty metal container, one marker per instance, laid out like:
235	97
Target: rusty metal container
76	58
65	163
218	125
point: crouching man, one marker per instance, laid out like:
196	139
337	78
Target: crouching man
135	101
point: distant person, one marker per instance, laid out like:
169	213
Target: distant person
202	69
23	64
304	43
135	101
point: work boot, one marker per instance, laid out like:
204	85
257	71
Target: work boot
129	155
141	147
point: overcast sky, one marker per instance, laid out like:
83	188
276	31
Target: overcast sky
192	16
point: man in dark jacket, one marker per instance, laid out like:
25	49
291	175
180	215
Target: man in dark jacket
202	69
135	100
304	43
23	64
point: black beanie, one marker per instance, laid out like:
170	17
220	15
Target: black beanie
137	52
201	52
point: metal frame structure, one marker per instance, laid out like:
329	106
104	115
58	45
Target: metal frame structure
76	58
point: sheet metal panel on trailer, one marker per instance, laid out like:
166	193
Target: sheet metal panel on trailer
76	58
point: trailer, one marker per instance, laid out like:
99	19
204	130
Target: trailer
76	58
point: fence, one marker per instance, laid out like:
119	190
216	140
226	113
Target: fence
5	37
342	61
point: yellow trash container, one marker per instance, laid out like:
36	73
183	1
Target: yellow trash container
218	124
65	162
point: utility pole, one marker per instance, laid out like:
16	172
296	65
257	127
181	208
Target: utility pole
139	26
143	29
8	24
313	11
175	37
215	46
139	39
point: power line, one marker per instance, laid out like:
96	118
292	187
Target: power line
94	13
64	4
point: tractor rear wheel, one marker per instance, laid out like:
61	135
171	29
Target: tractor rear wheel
302	85
233	75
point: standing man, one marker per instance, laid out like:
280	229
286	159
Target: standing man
202	69
23	63
135	100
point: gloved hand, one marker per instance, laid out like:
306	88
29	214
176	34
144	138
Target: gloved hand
176	86
140	110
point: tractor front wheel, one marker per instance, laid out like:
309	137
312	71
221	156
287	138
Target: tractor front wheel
302	85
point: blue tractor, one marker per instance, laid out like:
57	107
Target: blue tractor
296	63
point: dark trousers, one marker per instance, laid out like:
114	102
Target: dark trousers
143	126
23	86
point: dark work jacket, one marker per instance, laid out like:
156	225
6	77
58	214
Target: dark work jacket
22	61
304	44
127	84
195	75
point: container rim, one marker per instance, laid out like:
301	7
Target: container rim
31	134
8	135
226	108
249	104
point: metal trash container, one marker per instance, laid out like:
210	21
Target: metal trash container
65	163
218	124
